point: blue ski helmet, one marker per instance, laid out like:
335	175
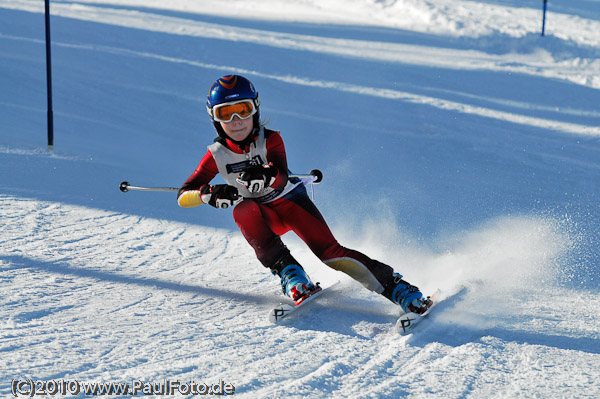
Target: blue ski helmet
228	89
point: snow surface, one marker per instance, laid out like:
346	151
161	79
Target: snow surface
457	144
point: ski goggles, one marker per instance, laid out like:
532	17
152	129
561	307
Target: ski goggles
244	109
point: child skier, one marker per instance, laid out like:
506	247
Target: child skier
268	203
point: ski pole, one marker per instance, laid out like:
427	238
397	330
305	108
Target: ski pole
125	186
315	176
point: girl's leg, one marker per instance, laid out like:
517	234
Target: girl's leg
301	215
262	226
262	229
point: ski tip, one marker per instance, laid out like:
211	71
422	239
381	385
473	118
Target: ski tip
407	323
279	313
282	311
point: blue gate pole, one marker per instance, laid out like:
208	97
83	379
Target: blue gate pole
544	18
49	79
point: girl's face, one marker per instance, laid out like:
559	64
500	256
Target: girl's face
238	129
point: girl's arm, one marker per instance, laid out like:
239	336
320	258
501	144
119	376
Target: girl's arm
189	194
276	156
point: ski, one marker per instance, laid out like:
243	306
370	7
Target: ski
408	321
284	310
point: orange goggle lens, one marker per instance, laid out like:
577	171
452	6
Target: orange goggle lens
244	109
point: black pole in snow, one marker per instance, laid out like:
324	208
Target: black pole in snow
544	18
49	79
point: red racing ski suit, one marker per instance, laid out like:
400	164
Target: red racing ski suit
287	208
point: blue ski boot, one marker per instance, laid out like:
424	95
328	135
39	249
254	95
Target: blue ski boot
294	281
406	295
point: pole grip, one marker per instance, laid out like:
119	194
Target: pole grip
315	176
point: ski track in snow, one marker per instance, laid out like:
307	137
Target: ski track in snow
101	296
361	90
531	60
528	55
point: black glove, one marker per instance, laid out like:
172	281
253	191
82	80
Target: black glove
220	195
258	177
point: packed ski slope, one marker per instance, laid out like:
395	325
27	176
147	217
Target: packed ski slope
457	145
